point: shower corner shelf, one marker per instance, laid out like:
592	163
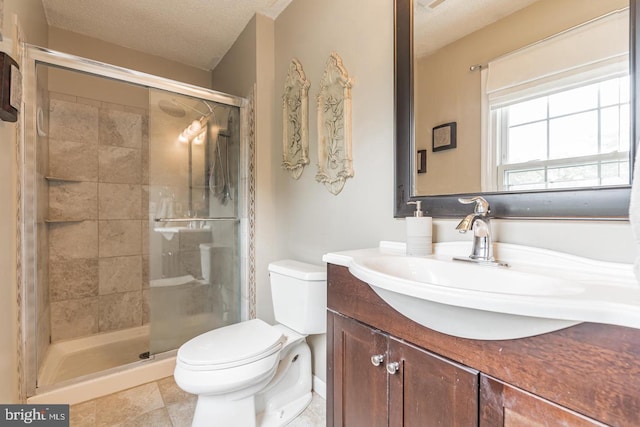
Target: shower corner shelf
57	178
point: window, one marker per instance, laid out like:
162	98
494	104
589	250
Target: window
556	113
571	138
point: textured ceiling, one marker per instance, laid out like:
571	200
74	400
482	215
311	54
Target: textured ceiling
199	32
450	20
193	32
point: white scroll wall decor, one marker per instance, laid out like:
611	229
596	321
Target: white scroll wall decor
295	120
335	162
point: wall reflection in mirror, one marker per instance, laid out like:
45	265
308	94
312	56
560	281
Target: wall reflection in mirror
538	89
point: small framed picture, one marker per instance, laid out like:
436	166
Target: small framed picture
444	137
422	161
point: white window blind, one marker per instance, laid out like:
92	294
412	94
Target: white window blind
592	51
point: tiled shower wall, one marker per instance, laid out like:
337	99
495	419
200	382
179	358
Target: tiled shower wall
98	224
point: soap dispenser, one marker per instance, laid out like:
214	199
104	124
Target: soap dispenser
418	232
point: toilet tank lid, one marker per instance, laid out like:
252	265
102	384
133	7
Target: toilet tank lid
299	270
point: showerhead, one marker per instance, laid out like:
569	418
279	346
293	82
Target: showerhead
175	108
171	108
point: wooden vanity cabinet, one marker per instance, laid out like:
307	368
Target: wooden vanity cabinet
405	386
585	375
428	390
504	405
360	389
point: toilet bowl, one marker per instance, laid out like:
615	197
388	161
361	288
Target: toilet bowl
252	373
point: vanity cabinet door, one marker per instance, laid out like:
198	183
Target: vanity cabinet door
359	387
504	405
427	390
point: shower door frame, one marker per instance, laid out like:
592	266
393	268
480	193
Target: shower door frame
27	190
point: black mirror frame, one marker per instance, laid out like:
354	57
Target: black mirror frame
611	203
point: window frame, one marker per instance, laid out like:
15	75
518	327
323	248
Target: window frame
499	139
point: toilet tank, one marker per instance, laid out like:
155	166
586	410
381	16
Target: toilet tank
299	295
206	250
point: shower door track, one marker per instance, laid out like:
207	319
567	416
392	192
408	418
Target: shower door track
102	69
195	218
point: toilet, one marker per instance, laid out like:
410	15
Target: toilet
252	373
216	264
206	252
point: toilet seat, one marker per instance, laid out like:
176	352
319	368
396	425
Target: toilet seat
231	346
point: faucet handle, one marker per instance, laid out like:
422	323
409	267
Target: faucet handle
481	207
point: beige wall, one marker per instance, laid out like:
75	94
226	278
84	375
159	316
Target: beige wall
88	47
236	72
34	28
446	91
310	220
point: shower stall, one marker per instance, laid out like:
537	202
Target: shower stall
134	194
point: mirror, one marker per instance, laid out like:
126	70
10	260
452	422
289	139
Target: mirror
447	124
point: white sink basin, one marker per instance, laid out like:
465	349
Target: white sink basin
169	232
443	272
541	291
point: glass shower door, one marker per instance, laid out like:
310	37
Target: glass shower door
193	233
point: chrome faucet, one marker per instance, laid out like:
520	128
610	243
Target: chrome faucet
478	222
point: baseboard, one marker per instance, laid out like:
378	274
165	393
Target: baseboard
320	387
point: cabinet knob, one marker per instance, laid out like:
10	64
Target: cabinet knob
377	359
392	367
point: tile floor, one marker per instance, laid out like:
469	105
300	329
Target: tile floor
162	404
313	416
